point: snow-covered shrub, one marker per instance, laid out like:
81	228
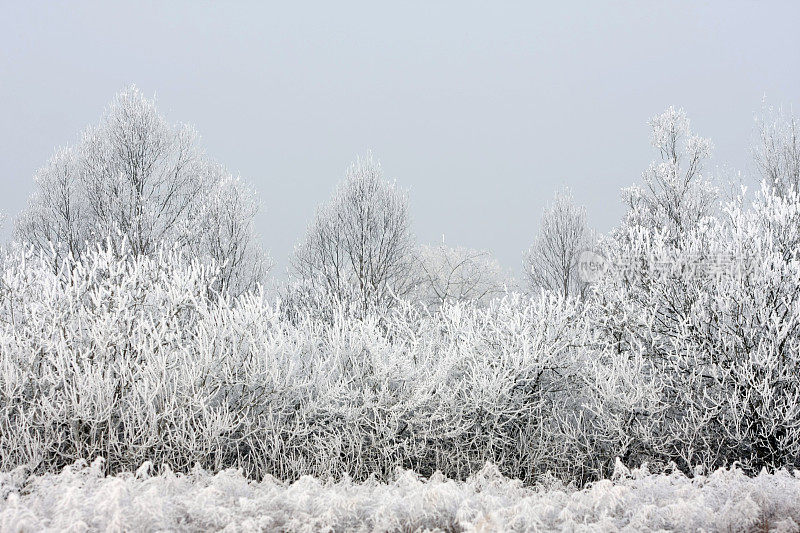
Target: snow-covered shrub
95	354
700	342
129	358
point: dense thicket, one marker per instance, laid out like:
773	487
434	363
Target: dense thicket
128	359
685	351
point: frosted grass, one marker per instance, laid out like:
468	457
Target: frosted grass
82	498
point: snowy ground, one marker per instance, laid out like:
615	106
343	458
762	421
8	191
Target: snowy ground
81	498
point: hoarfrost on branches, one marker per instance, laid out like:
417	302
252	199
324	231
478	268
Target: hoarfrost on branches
674	194
136	177
359	248
552	261
681	355
685	352
777	150
448	274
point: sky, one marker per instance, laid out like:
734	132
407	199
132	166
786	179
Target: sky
482	110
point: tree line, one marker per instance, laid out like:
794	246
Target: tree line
134	176
138	178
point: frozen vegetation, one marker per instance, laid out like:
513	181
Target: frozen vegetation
132	358
81	498
134	328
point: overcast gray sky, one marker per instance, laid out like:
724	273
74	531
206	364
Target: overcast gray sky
482	110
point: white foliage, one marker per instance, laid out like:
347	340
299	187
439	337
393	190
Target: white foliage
684	355
674	194
136	177
689	355
125	356
359	247
702	341
459	274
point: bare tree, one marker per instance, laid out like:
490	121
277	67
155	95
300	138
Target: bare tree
138	178
674	193
227	234
56	208
777	152
552	262
449	274
359	247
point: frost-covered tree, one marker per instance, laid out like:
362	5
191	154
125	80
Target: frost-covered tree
359	248
459	274
552	261
701	346
226	235
674	194
139	178
777	151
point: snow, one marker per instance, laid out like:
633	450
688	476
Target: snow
82	498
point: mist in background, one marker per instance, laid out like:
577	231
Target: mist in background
481	110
